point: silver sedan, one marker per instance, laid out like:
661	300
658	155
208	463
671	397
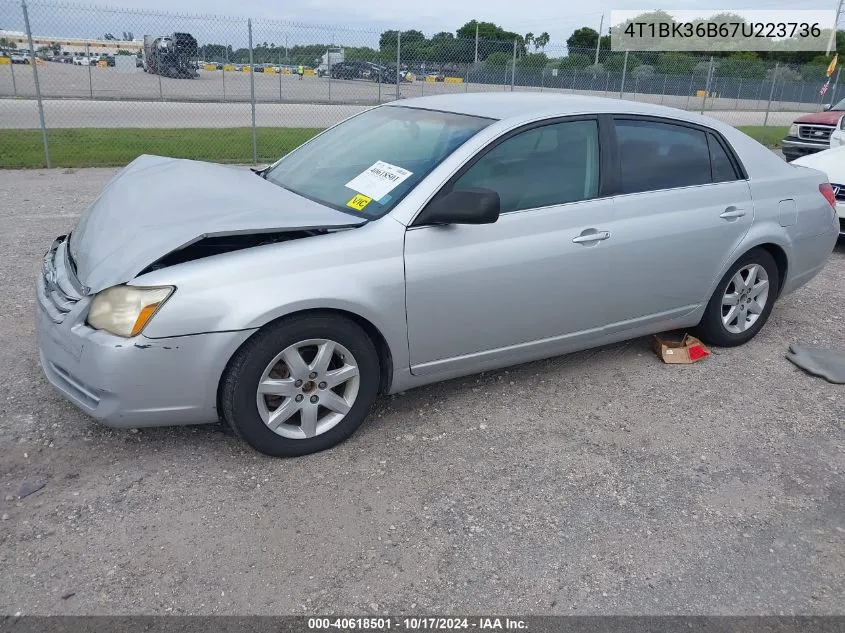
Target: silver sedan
415	242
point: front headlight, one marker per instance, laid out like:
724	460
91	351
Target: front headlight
793	130
126	310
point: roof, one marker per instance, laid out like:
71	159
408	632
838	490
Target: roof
516	108
506	105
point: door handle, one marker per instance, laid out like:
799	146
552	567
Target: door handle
732	213
594	236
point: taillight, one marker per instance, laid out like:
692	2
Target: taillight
827	191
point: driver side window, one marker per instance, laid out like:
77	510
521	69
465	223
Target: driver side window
544	166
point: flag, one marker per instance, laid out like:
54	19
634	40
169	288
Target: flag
824	87
832	66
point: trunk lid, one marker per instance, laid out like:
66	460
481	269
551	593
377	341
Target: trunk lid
156	205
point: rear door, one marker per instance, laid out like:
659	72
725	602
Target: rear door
682	209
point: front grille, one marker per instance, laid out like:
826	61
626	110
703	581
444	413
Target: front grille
838	191
58	290
820	133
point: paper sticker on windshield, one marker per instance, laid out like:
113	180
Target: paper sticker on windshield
359	202
379	180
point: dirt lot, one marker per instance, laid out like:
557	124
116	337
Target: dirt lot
602	482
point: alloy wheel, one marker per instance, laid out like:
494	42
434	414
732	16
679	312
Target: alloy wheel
308	388
745	298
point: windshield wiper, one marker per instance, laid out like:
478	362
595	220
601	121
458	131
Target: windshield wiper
260	172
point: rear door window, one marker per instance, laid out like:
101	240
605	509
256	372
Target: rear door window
655	155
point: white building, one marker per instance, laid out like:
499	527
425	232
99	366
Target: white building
72	46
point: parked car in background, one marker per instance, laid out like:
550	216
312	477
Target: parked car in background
350	70
387	74
812	133
19	57
832	163
837	138
415	242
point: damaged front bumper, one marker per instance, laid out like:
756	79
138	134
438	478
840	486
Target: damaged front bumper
124	382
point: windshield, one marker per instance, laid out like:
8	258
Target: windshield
367	164
839	106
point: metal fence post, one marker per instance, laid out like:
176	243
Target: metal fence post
707	83
771	94
624	72
225	63
689	92
513	66
88	63
329	69
280	75
34	63
398	58
738	93
14	85
663	92
252	92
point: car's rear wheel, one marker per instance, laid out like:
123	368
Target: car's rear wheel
742	302
301	385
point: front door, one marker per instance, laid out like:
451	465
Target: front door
533	283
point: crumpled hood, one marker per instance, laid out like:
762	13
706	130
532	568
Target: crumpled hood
156	205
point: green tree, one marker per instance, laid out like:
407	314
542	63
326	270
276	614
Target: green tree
747	65
529	39
497	60
575	61
675	64
615	63
583	38
532	61
541	41
492	38
360	54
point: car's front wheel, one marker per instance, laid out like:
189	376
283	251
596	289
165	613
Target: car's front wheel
742	302
301	385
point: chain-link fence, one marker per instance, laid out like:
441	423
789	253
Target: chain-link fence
98	85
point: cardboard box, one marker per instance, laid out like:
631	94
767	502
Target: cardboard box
687	350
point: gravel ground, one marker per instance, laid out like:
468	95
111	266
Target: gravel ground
600	482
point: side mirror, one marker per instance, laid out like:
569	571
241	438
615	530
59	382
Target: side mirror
826	107
466	206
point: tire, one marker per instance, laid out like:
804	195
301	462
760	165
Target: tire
310	427
719	326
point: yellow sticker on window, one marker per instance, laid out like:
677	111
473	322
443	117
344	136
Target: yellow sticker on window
359	202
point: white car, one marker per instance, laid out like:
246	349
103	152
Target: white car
831	162
837	139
